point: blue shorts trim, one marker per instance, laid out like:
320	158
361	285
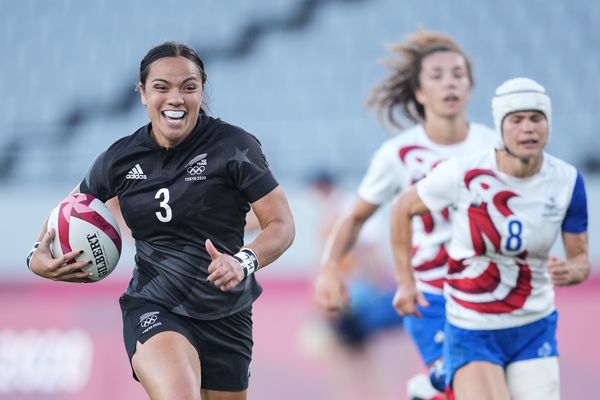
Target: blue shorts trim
499	346
427	332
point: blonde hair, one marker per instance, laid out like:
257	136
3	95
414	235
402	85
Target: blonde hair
396	93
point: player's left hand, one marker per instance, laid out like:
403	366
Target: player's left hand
561	272
407	299
224	270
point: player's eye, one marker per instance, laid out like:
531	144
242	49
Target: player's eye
458	74
537	117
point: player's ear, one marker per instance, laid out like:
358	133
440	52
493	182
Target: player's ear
140	88
420	96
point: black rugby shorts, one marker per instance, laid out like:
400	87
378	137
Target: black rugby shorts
224	345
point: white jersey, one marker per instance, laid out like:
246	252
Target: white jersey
400	162
502	231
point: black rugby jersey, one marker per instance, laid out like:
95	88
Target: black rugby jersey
174	199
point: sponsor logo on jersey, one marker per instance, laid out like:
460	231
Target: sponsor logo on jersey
136	173
550	208
195	168
149	320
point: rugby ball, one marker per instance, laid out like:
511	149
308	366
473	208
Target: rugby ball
82	222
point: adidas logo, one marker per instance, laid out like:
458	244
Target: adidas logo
136	173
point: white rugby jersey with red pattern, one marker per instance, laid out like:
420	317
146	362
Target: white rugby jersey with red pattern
502	232
400	162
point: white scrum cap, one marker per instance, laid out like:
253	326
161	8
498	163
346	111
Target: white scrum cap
519	94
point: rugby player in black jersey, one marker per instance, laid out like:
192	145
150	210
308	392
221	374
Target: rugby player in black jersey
185	183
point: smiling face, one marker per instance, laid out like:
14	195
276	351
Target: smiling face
172	94
445	84
525	133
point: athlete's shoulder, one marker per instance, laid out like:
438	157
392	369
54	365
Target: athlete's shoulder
557	168
481	128
129	142
483	133
411	136
227	131
480	159
122	147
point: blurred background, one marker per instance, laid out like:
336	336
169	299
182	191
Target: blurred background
294	73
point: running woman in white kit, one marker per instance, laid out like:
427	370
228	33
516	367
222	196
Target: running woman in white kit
508	207
430	83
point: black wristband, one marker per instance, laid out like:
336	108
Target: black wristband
30	254
248	261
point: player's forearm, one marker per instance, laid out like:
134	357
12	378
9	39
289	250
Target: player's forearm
276	237
580	268
406	206
401	237
340	242
577	260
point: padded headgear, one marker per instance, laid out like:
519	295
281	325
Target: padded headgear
519	94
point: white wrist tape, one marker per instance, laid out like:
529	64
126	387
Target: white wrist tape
248	261
30	254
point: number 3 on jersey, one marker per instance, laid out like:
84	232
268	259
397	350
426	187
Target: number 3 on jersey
165	214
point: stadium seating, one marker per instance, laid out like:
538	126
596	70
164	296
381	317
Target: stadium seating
293	72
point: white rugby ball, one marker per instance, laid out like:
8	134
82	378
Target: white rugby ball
82	222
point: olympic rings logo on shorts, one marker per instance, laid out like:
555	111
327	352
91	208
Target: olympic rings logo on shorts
148	321
196	169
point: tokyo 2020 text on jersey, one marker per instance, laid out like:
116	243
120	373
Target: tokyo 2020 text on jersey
398	164
174	199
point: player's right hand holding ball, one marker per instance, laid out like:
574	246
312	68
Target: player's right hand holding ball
65	268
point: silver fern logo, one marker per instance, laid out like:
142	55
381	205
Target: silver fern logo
196	167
